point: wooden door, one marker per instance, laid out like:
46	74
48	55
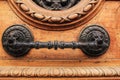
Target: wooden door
64	23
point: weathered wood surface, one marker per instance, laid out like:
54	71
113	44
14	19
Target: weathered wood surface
107	17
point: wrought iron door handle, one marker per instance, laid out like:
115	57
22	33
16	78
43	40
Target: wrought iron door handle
17	41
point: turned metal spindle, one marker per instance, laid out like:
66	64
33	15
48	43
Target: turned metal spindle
55	44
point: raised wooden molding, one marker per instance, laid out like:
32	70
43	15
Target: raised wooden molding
104	71
42	18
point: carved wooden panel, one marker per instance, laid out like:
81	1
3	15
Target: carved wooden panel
62	25
61	20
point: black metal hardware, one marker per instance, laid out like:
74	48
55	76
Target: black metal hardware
17	40
56	4
99	36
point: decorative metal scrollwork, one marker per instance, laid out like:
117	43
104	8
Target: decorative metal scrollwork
17	40
56	4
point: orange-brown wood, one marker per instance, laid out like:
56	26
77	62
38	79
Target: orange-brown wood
108	17
56	20
96	78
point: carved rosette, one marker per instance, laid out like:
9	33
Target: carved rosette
42	18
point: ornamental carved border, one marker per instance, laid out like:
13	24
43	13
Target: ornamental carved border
104	71
55	22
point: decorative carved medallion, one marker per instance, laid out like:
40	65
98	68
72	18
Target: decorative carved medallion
56	18
56	4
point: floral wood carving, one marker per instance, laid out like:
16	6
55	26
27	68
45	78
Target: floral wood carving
55	20
104	71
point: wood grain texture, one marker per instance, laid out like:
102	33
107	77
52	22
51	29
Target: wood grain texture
109	21
108	17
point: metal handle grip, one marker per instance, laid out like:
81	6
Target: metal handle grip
17	41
